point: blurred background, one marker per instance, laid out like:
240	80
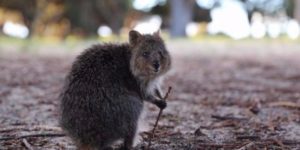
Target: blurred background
235	70
63	20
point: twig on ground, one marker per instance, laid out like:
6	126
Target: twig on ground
218	145
28	128
226	123
285	104
222	124
279	142
226	117
27	145
247	146
159	114
290	142
248	137
32	135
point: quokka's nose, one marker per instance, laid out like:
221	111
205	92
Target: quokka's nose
156	65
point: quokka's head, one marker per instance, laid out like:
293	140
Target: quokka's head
150	58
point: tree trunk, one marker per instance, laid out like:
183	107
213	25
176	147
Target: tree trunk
113	13
181	15
82	15
87	18
297	10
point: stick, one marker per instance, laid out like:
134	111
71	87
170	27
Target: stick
159	114
285	104
247	146
208	145
27	145
29	128
278	142
248	137
32	135
227	118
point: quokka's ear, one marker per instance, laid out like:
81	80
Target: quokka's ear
134	37
157	33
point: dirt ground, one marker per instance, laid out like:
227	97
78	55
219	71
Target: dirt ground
226	95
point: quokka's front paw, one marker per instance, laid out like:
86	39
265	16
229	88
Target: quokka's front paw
161	104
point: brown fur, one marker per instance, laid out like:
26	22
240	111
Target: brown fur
142	67
105	90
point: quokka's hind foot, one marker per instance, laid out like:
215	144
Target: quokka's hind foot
107	148
84	147
128	141
87	147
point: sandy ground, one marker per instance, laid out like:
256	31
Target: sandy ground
226	95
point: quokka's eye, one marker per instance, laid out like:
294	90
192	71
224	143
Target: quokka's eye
145	54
